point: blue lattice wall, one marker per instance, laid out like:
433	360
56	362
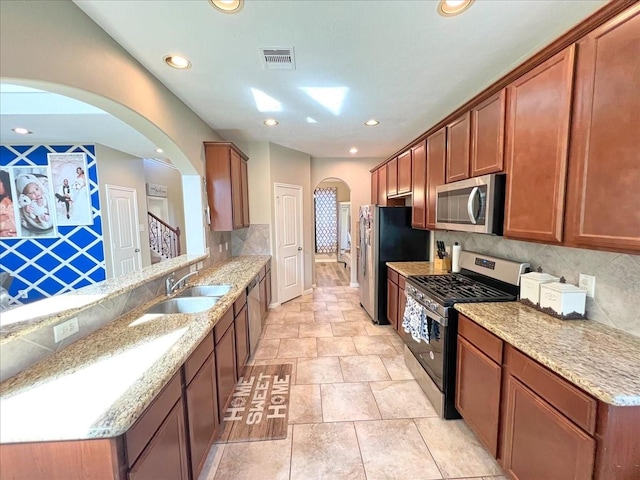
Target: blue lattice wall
43	267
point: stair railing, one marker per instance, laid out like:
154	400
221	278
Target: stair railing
163	238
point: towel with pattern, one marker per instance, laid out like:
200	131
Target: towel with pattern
413	318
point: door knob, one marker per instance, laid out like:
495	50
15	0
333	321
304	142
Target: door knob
299	249
137	250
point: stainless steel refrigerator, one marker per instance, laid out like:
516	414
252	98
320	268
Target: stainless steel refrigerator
385	235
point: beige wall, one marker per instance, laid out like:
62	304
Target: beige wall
294	168
260	189
168	175
355	173
123	170
54	46
343	193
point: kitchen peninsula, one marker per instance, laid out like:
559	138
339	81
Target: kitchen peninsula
71	412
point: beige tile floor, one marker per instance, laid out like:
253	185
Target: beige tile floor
356	411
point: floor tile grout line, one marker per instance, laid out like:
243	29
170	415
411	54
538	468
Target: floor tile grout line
424	440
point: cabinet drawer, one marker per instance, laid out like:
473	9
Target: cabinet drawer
487	342
576	405
402	282
239	303
392	275
138	436
222	325
197	358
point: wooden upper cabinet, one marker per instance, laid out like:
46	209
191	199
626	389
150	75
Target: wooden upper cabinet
538	110
227	186
487	135
392	177
382	186
458	148
419	185
374	187
603	198
436	159
404	173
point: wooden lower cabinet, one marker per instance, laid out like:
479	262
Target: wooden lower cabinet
268	285
166	456
242	339
478	382
225	353
202	413
539	442
392	303
402	302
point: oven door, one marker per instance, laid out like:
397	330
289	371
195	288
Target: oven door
431	356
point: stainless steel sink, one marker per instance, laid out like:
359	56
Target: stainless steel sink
206	291
184	305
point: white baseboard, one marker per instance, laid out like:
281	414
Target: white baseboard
307	292
327	260
274	305
313	285
354	284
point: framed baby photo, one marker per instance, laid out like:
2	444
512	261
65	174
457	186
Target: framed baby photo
33	202
9	214
70	188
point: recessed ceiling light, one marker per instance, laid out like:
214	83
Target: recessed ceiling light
159	150
22	131
371	123
270	122
449	8
353	150
227	6
176	61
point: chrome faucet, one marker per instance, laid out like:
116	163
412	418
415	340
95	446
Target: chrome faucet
170	285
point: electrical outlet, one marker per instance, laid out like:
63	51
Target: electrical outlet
65	329
226	246
200	265
220	248
193	268
588	283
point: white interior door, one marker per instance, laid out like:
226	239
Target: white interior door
123	229
344	224
288	200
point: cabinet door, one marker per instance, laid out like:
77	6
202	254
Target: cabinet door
236	189
392	303
478	393
242	339
382	186
402	302
166	455
392	177
268	283
458	148
538	108
202	413
436	159
603	196
487	135
404	173
225	368
374	187
419	185
244	183
263	297
541	443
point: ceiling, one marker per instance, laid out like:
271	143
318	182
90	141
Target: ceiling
398	61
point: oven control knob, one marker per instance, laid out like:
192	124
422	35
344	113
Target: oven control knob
420	296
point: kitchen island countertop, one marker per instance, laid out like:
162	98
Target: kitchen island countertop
100	385
601	360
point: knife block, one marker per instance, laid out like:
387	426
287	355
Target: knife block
442	264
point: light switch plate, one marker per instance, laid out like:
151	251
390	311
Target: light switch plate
588	283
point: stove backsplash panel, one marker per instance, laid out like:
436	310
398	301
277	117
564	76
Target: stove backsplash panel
617	293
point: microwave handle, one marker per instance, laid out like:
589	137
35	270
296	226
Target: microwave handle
472	196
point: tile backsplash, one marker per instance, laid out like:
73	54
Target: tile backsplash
617	290
253	240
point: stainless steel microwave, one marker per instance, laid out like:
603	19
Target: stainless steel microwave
472	205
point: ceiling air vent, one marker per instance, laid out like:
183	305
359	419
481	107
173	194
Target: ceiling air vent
278	58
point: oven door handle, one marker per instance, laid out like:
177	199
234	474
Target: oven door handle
472	197
432	315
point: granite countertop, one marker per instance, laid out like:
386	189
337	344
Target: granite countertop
99	386
601	360
406	269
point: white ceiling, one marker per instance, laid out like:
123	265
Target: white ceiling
396	60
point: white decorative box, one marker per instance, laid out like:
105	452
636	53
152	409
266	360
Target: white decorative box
530	286
563	300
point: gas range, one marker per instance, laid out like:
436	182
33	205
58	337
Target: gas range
431	356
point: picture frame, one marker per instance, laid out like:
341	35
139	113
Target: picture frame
33	202
70	188
9	214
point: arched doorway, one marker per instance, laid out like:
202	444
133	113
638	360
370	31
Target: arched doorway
332	233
